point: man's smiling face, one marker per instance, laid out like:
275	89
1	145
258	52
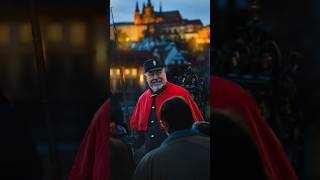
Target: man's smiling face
156	79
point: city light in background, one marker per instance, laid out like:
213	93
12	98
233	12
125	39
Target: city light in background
141	25
200	9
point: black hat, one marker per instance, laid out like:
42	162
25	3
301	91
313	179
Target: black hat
152	65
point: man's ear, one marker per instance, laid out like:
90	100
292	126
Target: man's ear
145	75
163	123
165	126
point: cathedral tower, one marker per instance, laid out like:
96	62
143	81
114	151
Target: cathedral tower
137	18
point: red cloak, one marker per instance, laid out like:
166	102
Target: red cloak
140	115
226	95
92	160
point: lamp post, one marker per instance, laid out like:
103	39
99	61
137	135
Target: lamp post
42	77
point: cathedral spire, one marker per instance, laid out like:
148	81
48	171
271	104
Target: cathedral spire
137	6
137	18
160	6
149	3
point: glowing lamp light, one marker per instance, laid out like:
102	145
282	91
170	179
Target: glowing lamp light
134	72
199	41
118	72
141	79
111	72
127	72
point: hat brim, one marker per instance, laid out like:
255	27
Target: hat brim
154	69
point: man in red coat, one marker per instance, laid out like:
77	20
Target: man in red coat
228	96
145	118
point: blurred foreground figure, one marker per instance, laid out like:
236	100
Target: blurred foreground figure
227	96
18	156
184	154
92	160
121	157
234	151
103	153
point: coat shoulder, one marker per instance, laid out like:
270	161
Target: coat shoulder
179	89
145	94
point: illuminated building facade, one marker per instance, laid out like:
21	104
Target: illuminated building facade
160	24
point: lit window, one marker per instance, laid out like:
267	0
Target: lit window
25	33
111	73
118	72
77	33
101	52
134	72
55	32
141	79
4	34
127	72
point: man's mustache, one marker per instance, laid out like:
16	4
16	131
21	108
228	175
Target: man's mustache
158	80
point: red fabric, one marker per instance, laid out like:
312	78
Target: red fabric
226	95
140	115
92	160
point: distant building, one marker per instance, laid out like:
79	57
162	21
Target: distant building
160	24
128	64
173	56
150	16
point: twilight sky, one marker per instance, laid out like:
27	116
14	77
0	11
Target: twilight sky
123	10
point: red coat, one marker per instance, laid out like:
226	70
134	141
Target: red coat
140	115
92	160
226	95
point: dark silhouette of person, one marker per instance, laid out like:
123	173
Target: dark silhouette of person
234	151
184	154
228	96
92	159
121	157
18	156
103	153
